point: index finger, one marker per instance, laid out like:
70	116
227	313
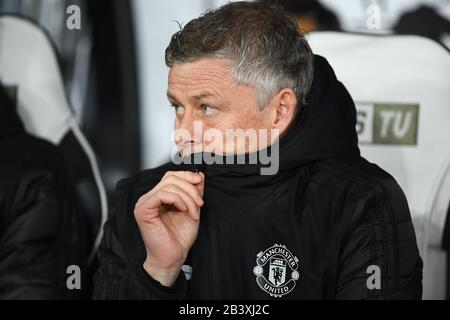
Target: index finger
195	178
189	176
201	185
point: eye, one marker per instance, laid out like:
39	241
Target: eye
178	109
207	109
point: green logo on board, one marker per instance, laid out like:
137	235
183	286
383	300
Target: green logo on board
387	123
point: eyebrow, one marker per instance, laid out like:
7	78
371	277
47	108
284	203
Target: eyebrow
170	96
196	97
202	96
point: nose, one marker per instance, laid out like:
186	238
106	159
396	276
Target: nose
184	128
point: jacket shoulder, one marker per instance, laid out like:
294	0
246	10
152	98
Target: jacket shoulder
27	163
367	184
24	148
358	176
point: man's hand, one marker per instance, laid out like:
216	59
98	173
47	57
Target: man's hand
168	217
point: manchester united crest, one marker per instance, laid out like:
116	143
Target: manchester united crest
276	270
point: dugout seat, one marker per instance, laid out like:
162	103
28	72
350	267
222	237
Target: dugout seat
401	88
29	63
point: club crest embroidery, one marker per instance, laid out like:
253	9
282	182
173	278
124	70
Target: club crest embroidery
276	270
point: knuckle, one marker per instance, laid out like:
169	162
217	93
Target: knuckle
160	193
137	213
168	174
170	187
171	179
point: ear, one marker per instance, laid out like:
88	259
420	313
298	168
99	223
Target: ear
285	105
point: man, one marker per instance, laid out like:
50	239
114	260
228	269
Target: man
41	231
323	224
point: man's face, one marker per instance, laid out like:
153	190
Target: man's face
205	95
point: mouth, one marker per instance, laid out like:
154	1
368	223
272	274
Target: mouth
187	148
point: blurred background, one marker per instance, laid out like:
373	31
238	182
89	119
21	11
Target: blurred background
115	78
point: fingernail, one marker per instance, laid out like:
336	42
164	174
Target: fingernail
197	176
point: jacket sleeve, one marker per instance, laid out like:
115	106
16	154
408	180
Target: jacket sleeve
116	278
30	259
379	258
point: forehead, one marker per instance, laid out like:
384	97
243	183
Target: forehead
203	75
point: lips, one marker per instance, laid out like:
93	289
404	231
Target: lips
187	148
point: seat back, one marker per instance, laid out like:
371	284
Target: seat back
401	88
28	62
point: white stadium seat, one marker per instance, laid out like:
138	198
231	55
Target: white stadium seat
28	62
401	88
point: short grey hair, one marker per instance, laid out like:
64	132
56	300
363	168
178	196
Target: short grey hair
267	49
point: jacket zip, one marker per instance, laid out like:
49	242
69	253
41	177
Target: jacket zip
212	221
214	257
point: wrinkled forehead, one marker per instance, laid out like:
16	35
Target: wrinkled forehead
199	77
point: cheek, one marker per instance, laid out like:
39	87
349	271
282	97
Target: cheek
238	120
220	122
255	119
243	118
